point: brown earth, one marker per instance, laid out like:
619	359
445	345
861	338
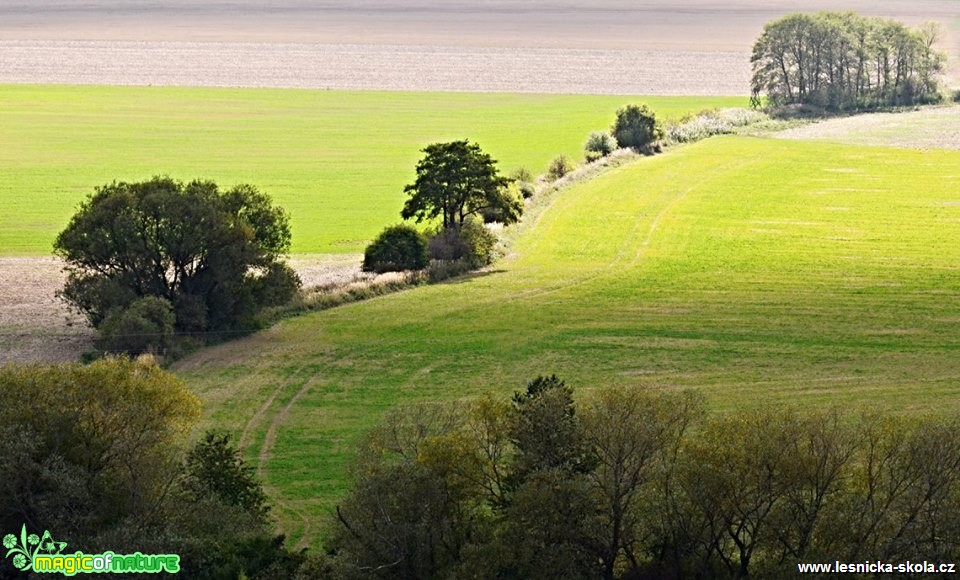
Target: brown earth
35	326
693	47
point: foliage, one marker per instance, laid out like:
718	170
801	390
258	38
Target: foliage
94	453
472	244
636	126
842	61
397	248
456	180
712	122
144	326
215	468
600	142
89	446
559	167
456	492
207	252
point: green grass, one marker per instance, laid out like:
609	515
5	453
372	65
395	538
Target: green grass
763	272
336	160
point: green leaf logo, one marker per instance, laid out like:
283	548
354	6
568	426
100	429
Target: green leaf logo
25	548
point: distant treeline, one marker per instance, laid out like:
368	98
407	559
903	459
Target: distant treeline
631	483
844	61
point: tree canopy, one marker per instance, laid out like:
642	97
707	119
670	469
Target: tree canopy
636	126
213	255
95	455
842	61
456	180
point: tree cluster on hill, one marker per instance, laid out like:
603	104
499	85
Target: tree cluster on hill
459	183
843	61
95	455
631	483
156	258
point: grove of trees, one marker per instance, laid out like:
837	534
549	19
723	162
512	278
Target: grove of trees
460	183
843	61
161	256
636	483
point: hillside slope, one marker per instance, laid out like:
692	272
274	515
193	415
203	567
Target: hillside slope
761	271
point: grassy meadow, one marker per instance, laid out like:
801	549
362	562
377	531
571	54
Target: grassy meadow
760	271
336	160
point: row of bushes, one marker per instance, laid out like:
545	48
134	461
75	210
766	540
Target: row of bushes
401	247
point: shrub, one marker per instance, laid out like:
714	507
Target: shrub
522	175
276	286
524	180
480	243
144	326
397	248
636	126
712	122
472	244
559	167
599	142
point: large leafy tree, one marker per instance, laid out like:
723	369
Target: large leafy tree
456	180
214	255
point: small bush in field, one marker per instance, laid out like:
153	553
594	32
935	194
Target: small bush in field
636	126
599	144
559	167
473	244
591	156
397	248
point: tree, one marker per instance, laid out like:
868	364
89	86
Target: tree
214	468
456	180
397	248
206	251
636	126
90	447
599	144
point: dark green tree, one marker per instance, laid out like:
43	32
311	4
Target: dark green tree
397	248
214	468
456	180
206	251
636	126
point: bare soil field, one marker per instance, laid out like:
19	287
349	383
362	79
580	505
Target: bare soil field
690	47
937	128
35	326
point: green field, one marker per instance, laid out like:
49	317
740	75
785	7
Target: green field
336	160
760	271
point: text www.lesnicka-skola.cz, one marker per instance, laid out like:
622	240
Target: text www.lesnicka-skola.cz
878	567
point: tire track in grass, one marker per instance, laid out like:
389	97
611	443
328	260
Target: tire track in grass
266	452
